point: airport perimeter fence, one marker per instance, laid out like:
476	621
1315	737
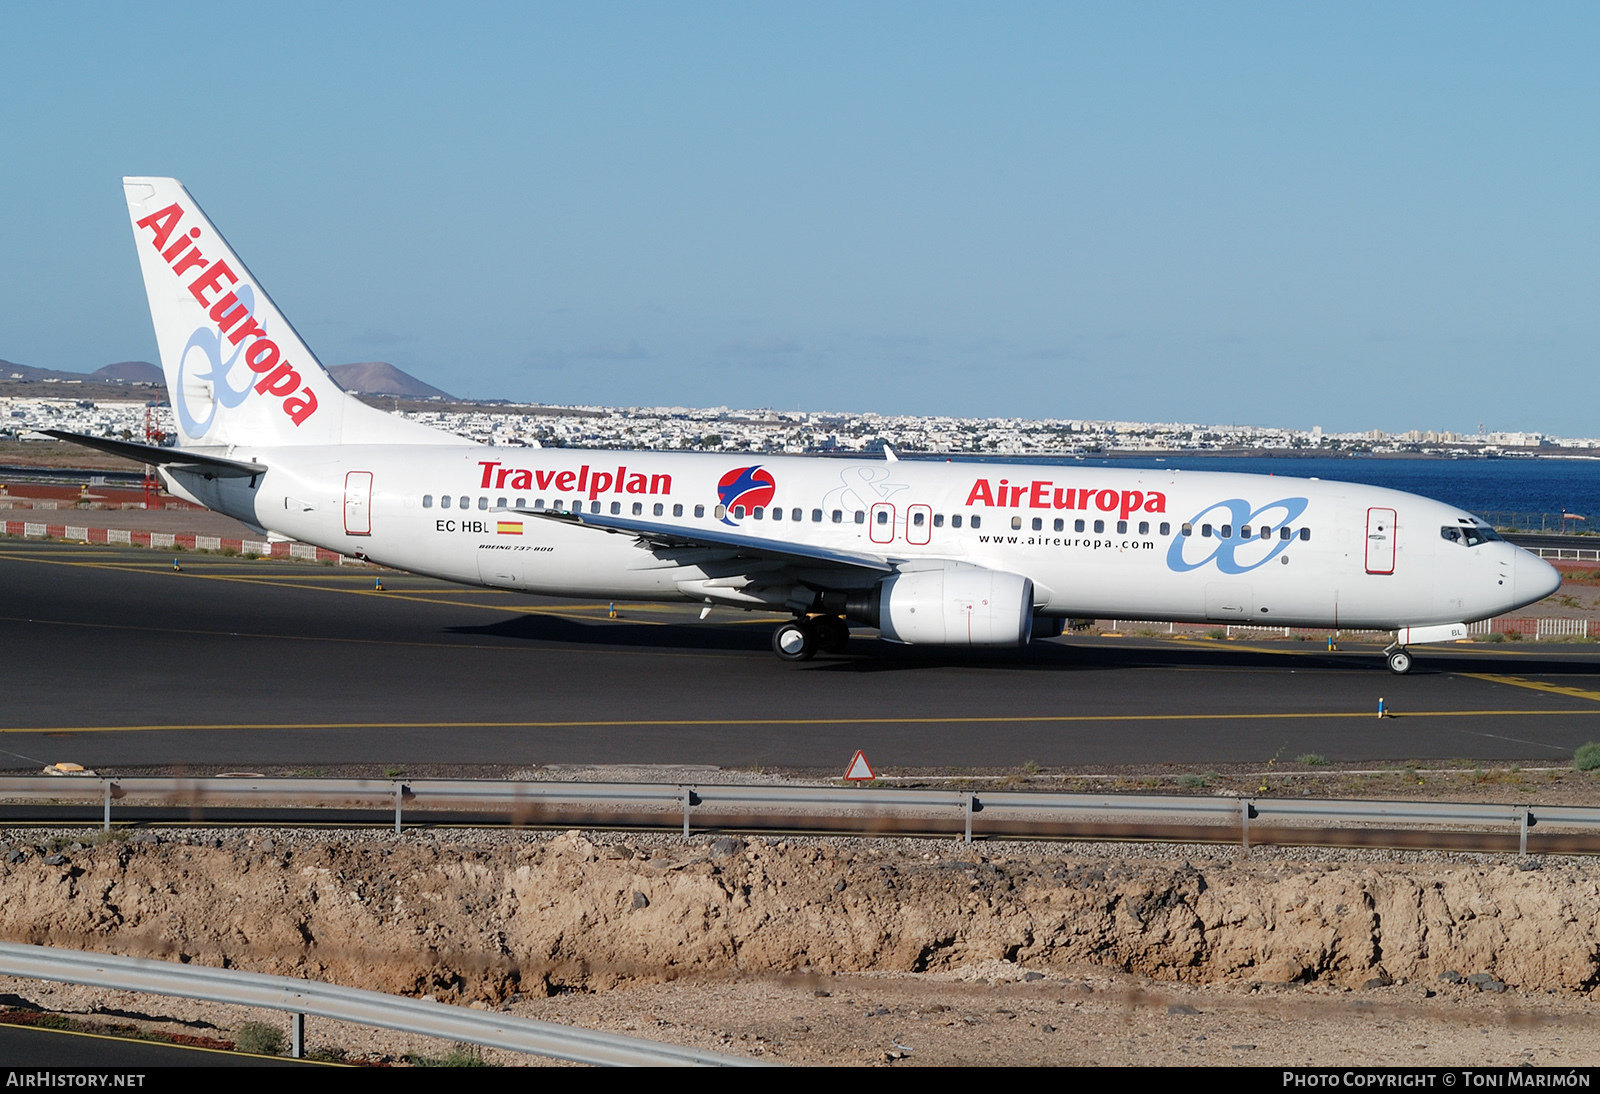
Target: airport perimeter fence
860	810
1512	627
1548	523
168	541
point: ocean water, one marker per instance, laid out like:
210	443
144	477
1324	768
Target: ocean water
1501	486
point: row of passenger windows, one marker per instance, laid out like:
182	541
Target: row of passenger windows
1264	532
859	516
659	509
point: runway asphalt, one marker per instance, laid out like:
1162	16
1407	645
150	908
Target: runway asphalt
110	659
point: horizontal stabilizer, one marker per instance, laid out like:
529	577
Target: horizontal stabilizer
178	458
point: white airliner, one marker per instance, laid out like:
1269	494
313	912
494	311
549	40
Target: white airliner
939	554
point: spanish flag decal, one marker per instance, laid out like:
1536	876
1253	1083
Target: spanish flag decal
509	527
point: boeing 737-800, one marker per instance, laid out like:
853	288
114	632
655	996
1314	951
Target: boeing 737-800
940	554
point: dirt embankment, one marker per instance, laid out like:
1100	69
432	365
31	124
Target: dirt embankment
477	921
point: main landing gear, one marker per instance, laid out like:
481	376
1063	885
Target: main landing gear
802	639
1399	660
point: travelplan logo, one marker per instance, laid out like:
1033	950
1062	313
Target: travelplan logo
231	306
1229	523
751	487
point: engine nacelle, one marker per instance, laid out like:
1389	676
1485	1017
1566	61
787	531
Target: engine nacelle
956	605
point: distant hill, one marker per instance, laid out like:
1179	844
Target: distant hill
132	372
382	378
10	370
127	372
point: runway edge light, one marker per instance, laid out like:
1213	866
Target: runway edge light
859	770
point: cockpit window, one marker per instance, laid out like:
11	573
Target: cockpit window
1469	535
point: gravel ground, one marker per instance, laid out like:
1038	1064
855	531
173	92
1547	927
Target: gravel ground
988	1011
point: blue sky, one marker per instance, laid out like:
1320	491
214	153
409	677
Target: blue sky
1358	216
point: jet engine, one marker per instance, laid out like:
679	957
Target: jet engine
955	605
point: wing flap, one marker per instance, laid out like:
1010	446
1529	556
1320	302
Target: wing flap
667	535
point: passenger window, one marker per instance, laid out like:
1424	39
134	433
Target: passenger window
1122	527
720	511
1205	530
777	512
483	503
1305	534
816	516
522	503
1038	525
699	510
1266	533
1016	524
559	506
1060	525
838	515
1099	526
1244	532
638	508
861	516
1078	526
538	503
499	503
938	520
918	519
955	521
977	520
1227	531
883	516
427	501
677	510
1144	528
1188	529
738	512
659	510
1166	529
799	514
1284	533
616	508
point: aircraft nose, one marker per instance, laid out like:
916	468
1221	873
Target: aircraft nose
1535	578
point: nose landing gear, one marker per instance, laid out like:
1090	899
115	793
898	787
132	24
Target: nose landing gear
1399	660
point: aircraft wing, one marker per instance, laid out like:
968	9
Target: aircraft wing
668	535
177	458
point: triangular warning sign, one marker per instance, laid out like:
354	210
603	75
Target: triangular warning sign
859	770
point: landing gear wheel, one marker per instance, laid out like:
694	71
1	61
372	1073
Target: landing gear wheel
1399	662
833	633
794	641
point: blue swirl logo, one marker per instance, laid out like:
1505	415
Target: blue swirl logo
208	343
1234	554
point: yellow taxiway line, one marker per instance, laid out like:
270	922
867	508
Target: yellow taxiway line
1536	685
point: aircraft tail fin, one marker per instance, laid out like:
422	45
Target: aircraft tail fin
237	372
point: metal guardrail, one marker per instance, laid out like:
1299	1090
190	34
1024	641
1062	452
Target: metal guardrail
716	805
357	1005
